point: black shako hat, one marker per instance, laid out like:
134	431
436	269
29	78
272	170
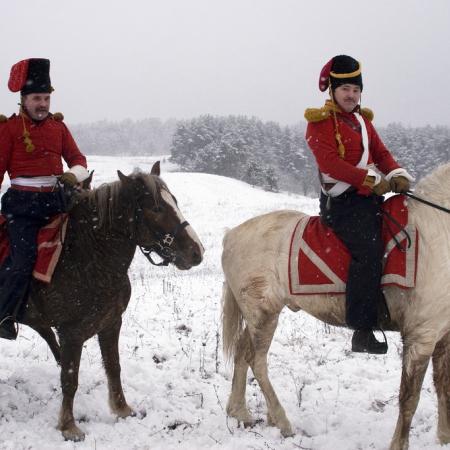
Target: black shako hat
31	76
341	69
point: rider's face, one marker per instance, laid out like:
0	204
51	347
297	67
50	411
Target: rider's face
37	106
347	96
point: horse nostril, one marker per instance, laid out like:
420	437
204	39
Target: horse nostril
196	257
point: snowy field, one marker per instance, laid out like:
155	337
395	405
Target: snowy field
173	371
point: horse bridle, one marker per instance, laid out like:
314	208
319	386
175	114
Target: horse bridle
163	242
162	246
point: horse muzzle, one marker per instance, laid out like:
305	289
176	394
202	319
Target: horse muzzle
189	259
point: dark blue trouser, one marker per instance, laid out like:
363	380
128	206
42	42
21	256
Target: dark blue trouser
26	212
356	220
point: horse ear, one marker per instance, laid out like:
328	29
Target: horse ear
86	184
156	169
123	178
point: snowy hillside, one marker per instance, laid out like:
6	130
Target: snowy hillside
173	371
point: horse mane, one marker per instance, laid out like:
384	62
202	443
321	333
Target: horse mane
436	186
113	197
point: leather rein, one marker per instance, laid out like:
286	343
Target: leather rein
392	220
426	202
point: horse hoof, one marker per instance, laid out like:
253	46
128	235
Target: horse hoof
125	412
444	438
73	434
403	445
287	433
242	415
250	423
284	427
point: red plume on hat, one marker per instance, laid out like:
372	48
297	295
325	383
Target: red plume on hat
324	79
18	75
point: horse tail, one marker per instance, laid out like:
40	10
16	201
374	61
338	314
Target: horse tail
232	322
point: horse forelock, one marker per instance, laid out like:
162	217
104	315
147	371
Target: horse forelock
152	183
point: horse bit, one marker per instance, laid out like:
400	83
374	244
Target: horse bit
162	246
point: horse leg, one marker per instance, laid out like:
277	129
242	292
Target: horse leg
49	336
70	364
414	367
236	406
441	377
109	346
261	337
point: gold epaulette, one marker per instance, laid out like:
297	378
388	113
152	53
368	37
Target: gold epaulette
59	117
3	118
317	114
367	113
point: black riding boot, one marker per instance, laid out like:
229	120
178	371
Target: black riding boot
356	220
364	341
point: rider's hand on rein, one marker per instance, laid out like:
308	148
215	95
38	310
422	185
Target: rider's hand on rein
400	184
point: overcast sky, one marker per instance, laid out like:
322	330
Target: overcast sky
181	58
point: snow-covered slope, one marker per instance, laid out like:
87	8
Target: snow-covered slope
172	367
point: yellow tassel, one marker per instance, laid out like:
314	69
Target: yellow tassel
341	148
29	146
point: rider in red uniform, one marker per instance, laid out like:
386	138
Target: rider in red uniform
355	169
32	146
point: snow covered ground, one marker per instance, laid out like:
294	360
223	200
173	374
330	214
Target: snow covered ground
173	371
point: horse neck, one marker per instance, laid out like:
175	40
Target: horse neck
105	227
433	226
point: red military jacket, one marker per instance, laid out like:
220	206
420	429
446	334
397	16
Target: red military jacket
51	139
321	139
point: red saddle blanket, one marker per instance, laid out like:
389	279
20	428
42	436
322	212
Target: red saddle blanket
319	261
50	241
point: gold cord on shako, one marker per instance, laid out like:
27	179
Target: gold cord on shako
29	146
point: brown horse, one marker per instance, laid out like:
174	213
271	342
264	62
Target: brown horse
90	288
255	264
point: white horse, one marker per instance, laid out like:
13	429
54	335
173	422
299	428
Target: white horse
256	288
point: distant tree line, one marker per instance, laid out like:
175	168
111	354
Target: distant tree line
263	154
260	153
419	149
274	157
127	137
